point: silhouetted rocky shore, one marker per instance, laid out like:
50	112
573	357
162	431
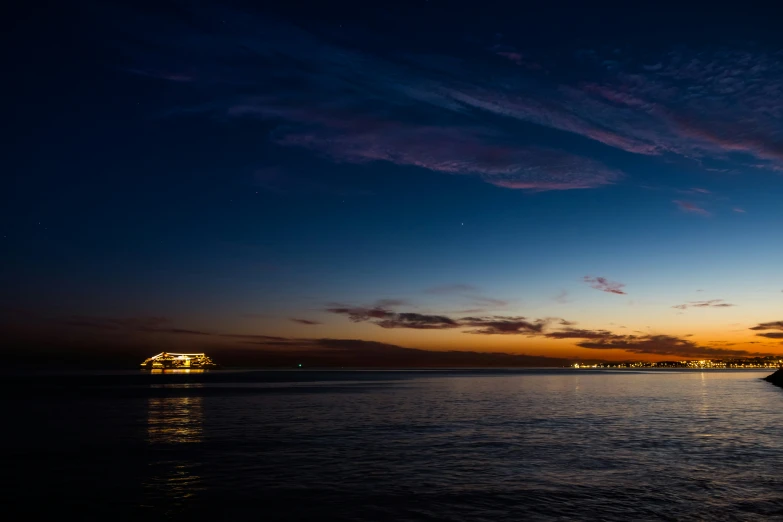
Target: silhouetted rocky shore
776	378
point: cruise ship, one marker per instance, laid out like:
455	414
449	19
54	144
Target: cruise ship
178	361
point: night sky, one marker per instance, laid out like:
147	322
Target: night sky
340	184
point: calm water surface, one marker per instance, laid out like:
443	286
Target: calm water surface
423	446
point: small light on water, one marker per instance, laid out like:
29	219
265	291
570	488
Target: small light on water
300	365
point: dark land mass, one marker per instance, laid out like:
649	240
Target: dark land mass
776	378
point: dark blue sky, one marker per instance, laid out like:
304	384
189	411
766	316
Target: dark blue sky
208	173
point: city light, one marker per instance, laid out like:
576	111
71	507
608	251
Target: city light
749	363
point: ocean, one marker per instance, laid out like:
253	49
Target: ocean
470	445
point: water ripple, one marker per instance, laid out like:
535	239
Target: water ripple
421	447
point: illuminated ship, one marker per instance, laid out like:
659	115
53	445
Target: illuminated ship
178	361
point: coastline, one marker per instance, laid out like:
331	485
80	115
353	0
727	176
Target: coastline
776	378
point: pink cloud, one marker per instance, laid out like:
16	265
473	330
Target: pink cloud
605	285
707	105
513	56
690	208
451	150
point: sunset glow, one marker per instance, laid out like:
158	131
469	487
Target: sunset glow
267	188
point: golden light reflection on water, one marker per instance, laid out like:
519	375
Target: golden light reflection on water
174	420
176	370
174	427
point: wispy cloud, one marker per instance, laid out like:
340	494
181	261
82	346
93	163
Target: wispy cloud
712	303
772	325
359	314
707	104
556	328
718	107
544	328
306	322
500	325
359	107
418	321
454	150
691	208
574	333
389	319
605	285
771	335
